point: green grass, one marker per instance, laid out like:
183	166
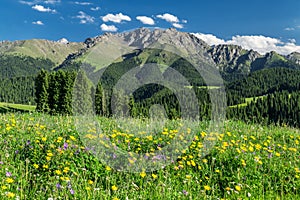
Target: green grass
247	101
43	157
54	51
19	107
206	87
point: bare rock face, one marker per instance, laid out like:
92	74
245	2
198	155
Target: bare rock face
294	57
143	38
231	58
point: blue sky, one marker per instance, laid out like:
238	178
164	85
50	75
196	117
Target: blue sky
224	21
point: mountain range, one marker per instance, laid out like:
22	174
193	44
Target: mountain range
53	55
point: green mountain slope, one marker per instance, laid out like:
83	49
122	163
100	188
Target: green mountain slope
54	51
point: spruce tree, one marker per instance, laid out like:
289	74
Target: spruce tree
41	91
82	102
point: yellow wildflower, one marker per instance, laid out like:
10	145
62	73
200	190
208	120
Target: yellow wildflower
206	187
10	195
154	176
238	188
9	180
114	188
66	169
58	172
143	174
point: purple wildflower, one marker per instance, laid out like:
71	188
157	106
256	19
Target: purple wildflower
58	186
65	146
72	191
8	174
185	192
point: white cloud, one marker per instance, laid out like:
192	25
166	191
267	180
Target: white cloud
118	18
259	43
210	39
176	25
292	41
41	8
30	3
52	1
289	29
83	3
111	28
95	9
146	20
184	21
169	18
38	23
85	18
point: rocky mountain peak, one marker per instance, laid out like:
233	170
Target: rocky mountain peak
63	41
295	57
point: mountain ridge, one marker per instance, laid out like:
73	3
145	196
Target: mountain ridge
230	59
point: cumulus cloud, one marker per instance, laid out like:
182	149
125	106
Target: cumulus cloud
146	20
117	18
95	9
169	18
210	39
259	43
38	23
176	25
85	18
83	3
41	8
30	3
108	28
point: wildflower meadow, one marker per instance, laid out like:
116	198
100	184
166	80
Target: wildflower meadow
43	157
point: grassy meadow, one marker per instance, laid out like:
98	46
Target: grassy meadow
42	157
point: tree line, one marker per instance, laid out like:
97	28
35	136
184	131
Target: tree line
70	92
281	108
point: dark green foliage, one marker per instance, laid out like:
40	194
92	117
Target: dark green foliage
100	104
82	100
266	81
16	66
41	91
54	92
277	108
66	80
188	71
17	90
